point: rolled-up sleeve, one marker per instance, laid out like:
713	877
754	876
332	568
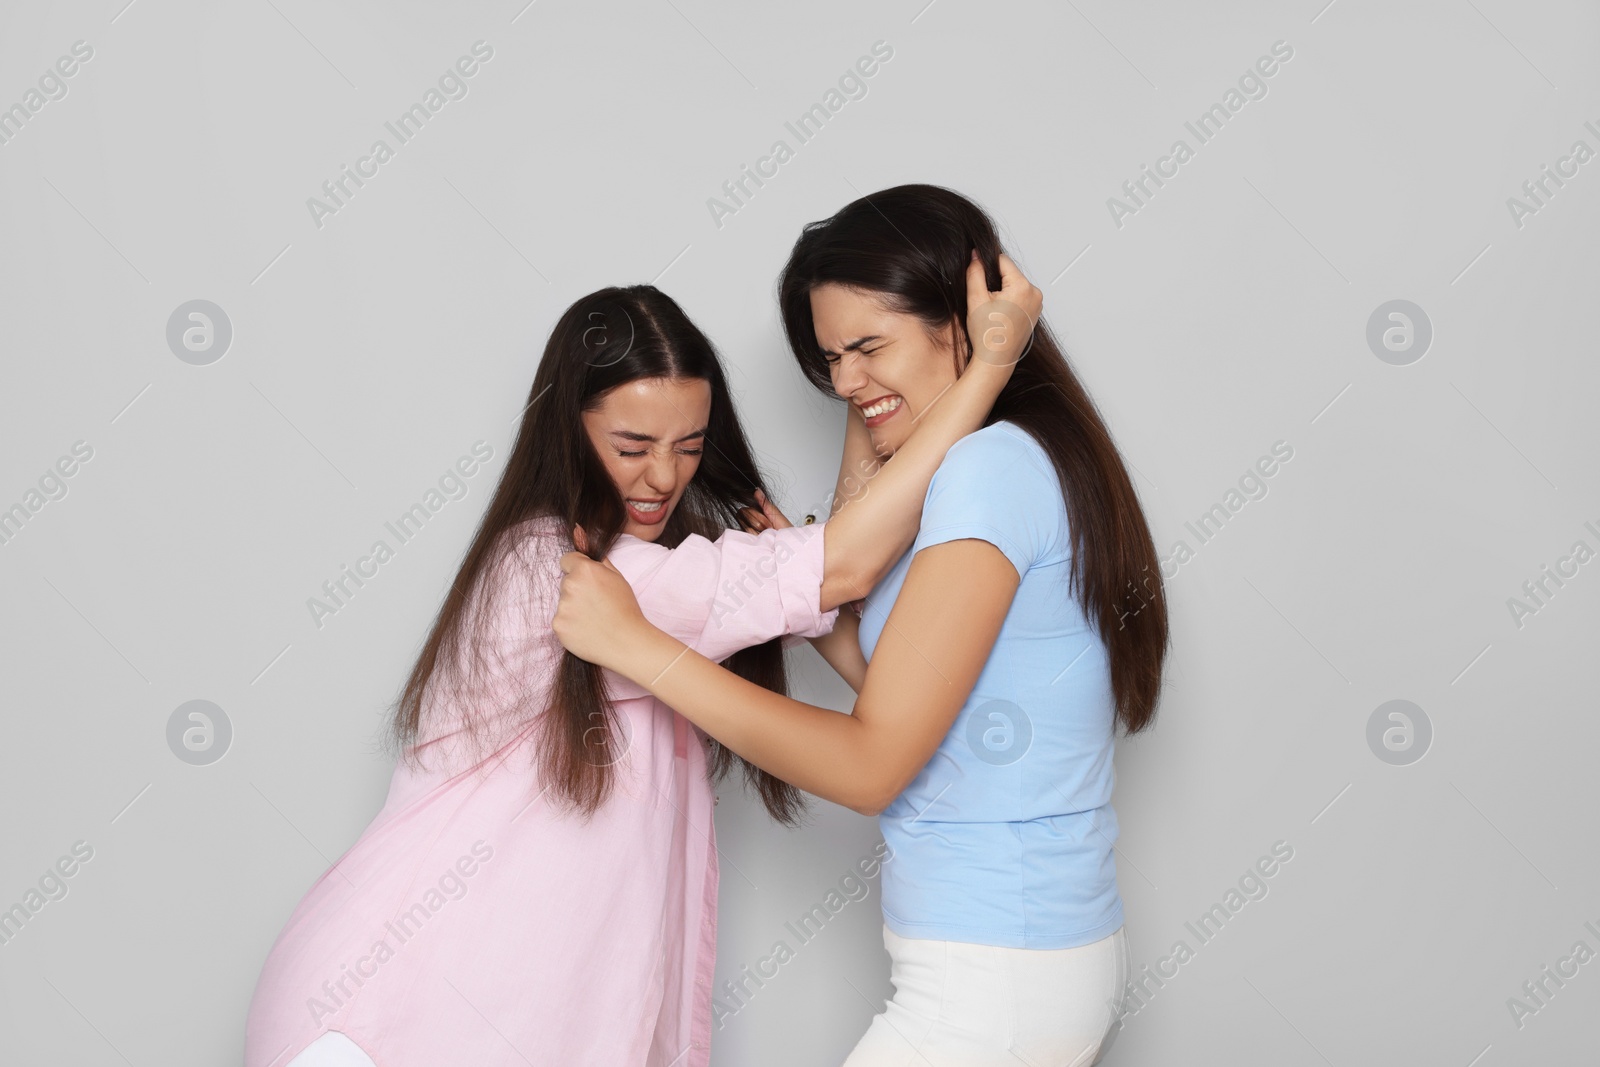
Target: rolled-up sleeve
740	590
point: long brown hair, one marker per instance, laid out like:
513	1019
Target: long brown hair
606	339
910	245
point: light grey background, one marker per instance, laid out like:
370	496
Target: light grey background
1230	312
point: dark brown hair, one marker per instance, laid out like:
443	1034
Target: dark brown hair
606	339
910	246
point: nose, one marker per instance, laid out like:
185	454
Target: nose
848	377
661	474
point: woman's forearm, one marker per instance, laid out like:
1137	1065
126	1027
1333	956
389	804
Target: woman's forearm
842	649
873	529
823	752
858	462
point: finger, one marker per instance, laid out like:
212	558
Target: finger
1010	276
977	282
569	560
764	508
580	539
1016	287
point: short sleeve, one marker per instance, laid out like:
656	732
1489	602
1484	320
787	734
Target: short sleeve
996	485
740	590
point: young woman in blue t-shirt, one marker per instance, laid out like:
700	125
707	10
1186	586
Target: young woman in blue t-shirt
1024	623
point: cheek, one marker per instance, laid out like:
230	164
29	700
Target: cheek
922	381
893	372
617	469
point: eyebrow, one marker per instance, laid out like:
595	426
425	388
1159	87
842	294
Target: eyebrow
854	345
630	435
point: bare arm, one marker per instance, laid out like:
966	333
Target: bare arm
842	648
938	637
858	462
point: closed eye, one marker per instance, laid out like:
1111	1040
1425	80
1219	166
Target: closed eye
831	358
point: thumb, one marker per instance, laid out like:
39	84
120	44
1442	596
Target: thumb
579	539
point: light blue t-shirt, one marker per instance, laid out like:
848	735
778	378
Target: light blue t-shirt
1005	837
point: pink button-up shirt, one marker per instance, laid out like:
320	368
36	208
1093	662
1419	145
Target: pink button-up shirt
474	923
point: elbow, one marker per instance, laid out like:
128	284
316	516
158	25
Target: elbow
875	771
873	798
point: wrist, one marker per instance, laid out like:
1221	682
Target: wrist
646	653
986	376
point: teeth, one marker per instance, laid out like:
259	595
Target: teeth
640	505
888	404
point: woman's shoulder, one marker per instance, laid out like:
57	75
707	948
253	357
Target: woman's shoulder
538	542
538	529
996	451
999	479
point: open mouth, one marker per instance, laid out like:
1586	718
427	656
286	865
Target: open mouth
881	409
647	512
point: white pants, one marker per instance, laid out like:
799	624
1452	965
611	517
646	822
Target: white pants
959	1003
332	1049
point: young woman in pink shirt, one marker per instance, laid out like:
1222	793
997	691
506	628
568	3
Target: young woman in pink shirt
540	885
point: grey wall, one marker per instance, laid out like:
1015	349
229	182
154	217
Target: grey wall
1228	311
